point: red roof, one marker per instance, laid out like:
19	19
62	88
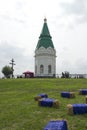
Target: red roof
27	72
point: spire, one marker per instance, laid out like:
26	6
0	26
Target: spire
45	31
45	38
45	20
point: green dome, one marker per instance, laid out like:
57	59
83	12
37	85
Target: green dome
45	39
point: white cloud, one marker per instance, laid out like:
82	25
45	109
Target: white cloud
21	22
23	62
77	10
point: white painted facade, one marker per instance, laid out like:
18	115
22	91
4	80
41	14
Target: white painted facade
45	62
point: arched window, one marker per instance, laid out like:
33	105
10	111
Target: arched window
41	69
49	69
35	69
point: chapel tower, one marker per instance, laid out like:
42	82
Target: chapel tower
45	54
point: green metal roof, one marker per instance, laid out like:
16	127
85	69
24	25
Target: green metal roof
45	39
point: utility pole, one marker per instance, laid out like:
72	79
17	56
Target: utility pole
12	63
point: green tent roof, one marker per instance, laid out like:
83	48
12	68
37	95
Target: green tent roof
45	39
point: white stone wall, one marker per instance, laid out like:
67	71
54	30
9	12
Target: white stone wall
45	57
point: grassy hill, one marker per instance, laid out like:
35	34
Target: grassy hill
19	110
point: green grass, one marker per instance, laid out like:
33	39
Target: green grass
19	110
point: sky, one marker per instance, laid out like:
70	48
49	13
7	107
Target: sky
21	22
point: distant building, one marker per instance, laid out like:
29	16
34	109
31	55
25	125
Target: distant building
45	54
28	74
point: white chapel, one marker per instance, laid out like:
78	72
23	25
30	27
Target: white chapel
45	54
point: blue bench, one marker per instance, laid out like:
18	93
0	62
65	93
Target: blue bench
39	96
67	94
77	109
83	91
56	125
48	102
